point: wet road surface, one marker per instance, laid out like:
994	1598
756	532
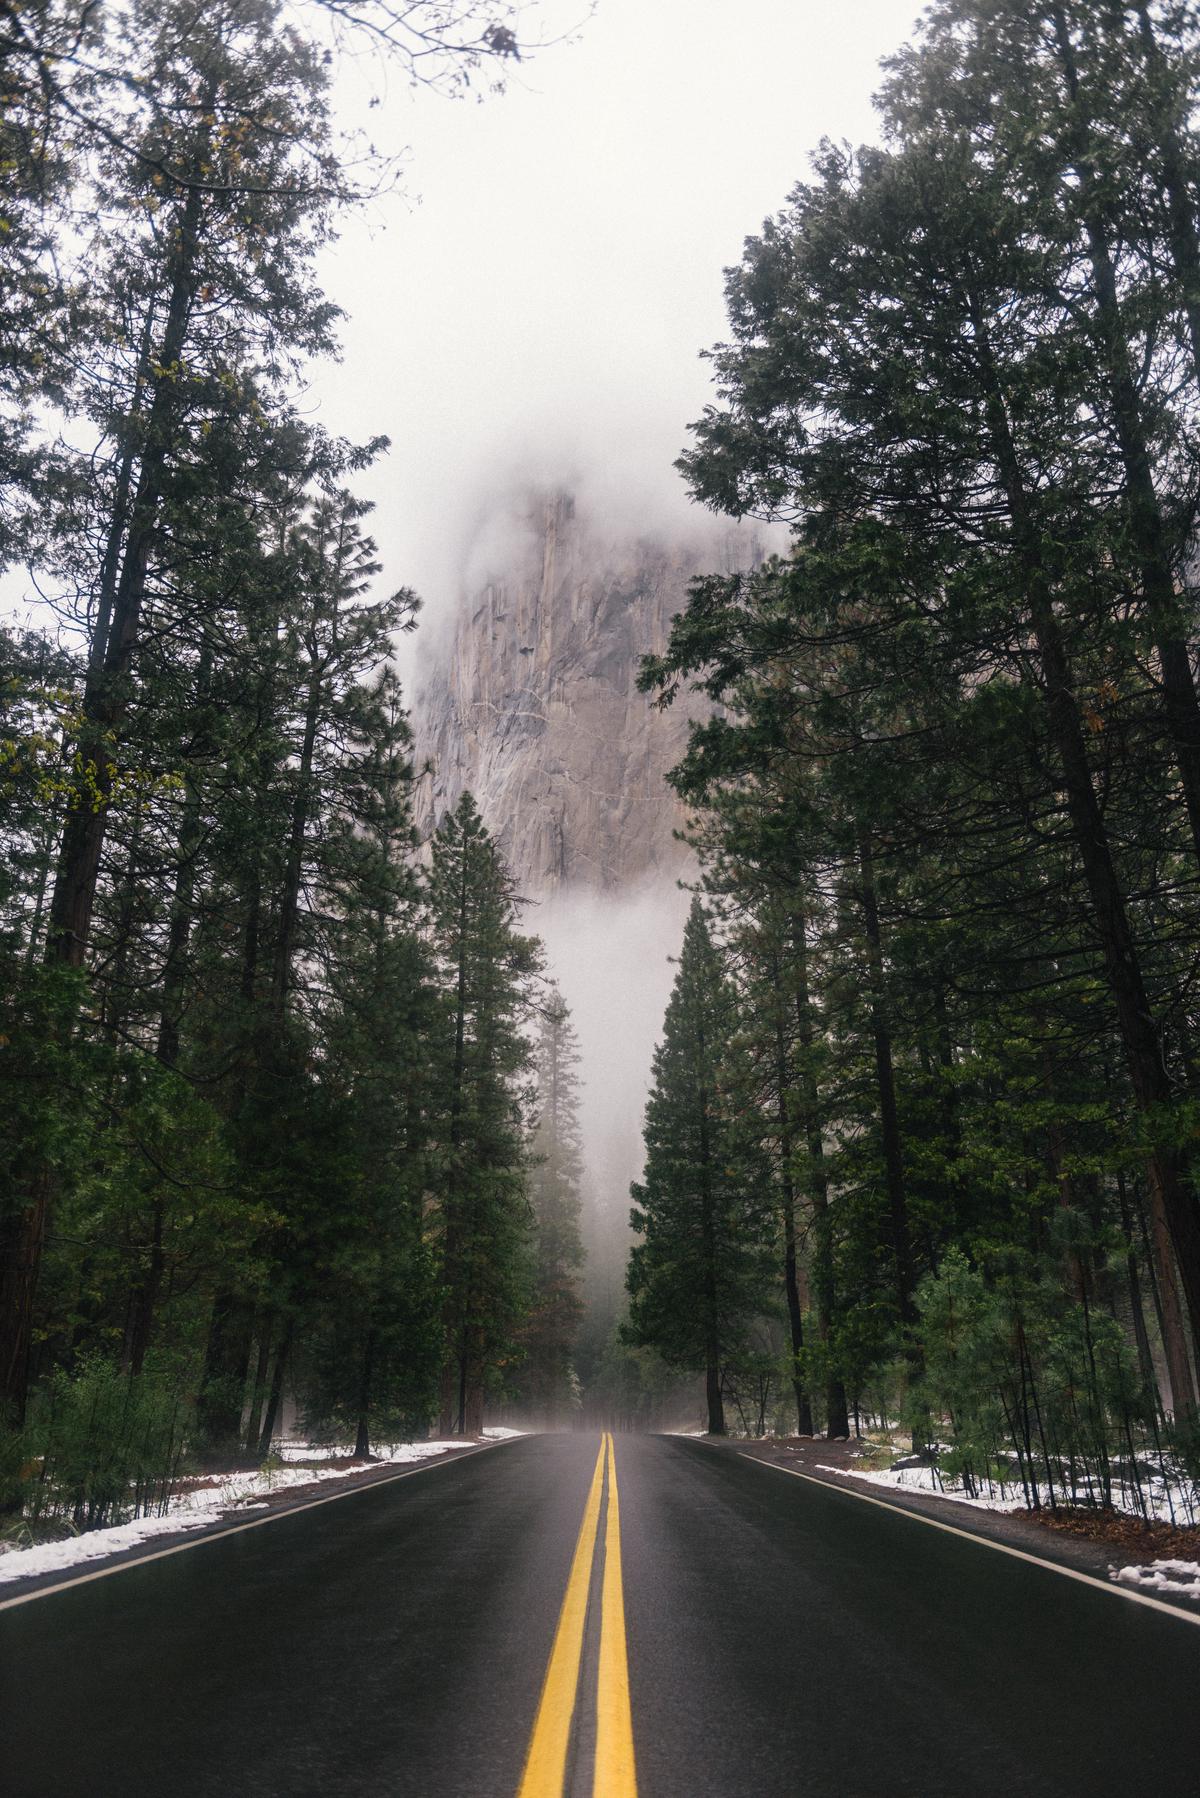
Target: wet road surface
780	1640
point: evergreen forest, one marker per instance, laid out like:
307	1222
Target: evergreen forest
286	1103
922	1144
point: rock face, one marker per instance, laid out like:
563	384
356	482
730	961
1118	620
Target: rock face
532	703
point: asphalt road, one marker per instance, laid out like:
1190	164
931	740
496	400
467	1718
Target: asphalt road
783	1639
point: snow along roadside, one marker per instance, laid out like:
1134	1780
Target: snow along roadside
1174	1579
922	1480
199	1506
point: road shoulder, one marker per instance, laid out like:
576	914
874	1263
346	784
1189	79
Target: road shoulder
1027	1532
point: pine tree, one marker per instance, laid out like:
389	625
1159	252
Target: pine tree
370	1324
703	1207
547	1380
481	1222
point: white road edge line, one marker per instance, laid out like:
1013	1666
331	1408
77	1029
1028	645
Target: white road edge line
1018	1554
235	1529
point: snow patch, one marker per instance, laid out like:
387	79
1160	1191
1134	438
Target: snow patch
929	1482
237	1489
1175	1579
501	1433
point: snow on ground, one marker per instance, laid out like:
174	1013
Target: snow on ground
1161	1492
501	1433
1173	1579
1166	1500
52	1557
236	1489
929	1481
202	1500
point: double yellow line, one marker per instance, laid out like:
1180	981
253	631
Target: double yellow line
546	1762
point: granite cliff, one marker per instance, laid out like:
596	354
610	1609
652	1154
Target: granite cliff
530	700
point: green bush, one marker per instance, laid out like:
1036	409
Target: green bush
102	1448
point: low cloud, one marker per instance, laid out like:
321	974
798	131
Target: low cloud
610	955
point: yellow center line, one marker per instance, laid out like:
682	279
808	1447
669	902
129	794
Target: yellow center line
546	1762
615	1774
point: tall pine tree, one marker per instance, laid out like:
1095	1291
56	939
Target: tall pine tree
703	1208
547	1381
480	1218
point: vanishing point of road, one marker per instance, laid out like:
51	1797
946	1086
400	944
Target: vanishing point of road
566	1616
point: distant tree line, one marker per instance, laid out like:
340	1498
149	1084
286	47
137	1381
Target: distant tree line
948	801
269	1077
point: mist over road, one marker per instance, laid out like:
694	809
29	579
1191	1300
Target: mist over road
777	1638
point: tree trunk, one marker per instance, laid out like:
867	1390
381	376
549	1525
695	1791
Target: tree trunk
21	1243
889	1116
453	1384
462	1384
712	1329
275	1399
223	1385
74	895
473	1407
1181	216
804	1416
448	1400
362	1439
258	1391
889	1124
715	1402
1136	1309
837	1415
1174	1332
804	1419
105	698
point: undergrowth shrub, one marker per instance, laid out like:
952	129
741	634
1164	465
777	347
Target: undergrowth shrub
103	1448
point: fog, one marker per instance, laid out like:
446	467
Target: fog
534	311
609	955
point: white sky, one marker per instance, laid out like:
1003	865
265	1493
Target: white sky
538	305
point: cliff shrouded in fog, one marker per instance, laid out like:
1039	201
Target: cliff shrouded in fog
531	702
528	698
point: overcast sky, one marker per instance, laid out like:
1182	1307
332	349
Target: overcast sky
533	304
538	305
